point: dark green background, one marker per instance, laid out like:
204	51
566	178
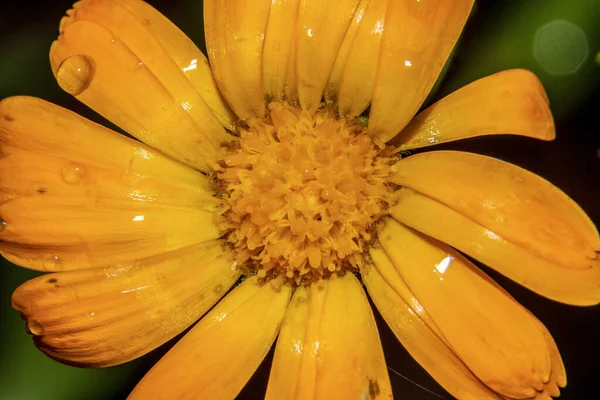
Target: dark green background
499	35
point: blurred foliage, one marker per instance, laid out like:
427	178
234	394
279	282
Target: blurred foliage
499	35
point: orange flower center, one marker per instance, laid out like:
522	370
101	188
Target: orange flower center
304	193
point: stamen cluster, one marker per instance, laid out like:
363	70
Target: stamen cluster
303	193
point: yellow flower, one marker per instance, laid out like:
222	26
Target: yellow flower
264	165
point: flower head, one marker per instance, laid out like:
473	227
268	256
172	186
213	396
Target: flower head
281	165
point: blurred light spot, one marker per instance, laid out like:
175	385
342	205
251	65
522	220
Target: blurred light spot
407	63
560	47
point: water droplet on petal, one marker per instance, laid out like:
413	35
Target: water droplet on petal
73	173
75	74
2	225
35	327
51	264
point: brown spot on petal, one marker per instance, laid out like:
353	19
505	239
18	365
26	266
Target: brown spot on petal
373	389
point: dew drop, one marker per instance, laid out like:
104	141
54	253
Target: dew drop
75	74
73	173
2	225
51	264
35	327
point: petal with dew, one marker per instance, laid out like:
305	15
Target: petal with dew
109	315
498	339
186	55
217	357
320	32
572	286
418	336
278	51
329	346
358	79
508	102
92	197
118	68
235	36
417	39
514	203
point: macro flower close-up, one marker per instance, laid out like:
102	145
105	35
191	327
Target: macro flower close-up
279	191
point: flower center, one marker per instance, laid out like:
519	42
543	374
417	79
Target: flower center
304	193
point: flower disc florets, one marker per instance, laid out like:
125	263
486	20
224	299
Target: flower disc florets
304	192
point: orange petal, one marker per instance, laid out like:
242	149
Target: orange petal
509	102
567	285
417	40
235	35
333	85
278	52
77	195
321	29
423	344
218	356
358	79
499	340
186	55
105	316
329	346
519	206
107	59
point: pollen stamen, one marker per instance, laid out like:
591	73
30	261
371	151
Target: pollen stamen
303	193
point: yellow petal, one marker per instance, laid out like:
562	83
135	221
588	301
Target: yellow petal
423	344
509	102
218	356
496	338
567	285
519	206
388	272
333	85
105	316
235	35
329	346
112	63
358	79
417	40
77	195
186	55
321	29
278	51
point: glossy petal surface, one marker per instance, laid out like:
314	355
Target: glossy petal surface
107	59
333	84
404	315
321	29
235	36
498	340
567	285
279	62
109	315
509	102
92	197
360	67
217	357
329	346
186	55
517	205
417	39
